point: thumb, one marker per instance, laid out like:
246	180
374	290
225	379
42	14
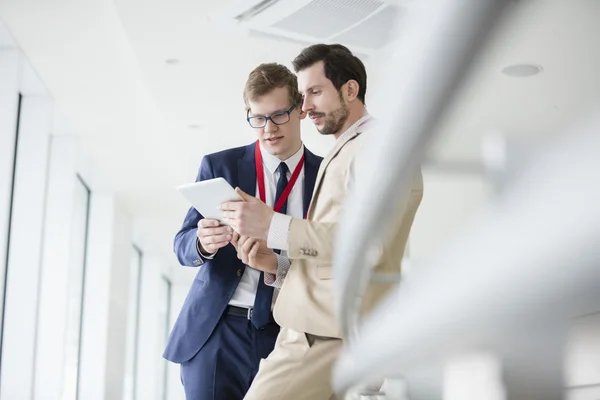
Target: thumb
245	196
234	239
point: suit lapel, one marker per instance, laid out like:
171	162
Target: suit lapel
247	171
311	167
339	145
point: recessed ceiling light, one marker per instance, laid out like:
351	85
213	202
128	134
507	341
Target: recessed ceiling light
522	70
194	126
172	61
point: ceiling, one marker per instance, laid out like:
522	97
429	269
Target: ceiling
147	123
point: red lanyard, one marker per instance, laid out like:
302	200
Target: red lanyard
260	177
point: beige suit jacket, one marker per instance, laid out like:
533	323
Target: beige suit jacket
305	302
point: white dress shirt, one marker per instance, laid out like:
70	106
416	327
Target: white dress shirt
246	291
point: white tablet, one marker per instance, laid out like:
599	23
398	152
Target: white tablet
207	196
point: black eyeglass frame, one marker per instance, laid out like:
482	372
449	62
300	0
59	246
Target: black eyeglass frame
270	117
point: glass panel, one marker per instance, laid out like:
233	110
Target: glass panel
7	185
164	326
79	229
135	269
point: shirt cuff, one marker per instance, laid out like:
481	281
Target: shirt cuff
202	255
283	266
279	230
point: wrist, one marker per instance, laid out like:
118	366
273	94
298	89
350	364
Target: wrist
267	227
203	252
273	267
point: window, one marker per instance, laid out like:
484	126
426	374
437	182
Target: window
164	327
77	264
133	323
7	179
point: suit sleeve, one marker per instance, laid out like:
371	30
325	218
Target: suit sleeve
316	240
185	243
311	240
301	238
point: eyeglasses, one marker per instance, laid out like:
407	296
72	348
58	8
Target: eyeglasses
278	119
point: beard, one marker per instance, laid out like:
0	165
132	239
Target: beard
335	120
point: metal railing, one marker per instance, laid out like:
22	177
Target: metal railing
515	276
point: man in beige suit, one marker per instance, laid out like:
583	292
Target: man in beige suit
333	82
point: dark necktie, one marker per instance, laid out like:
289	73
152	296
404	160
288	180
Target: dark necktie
264	294
281	185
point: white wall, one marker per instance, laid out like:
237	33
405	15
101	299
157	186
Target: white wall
105	310
178	293
54	289
49	160
151	337
449	201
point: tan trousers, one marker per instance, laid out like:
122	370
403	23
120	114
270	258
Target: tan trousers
298	368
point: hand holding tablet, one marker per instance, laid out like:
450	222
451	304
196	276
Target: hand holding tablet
207	197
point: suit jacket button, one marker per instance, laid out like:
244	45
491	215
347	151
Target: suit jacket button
239	272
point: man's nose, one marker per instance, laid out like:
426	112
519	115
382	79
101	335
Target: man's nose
307	105
270	126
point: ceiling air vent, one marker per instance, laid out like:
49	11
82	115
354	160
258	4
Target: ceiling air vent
363	25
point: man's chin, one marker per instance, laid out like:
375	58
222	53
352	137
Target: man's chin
274	150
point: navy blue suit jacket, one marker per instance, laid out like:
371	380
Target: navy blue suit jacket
218	278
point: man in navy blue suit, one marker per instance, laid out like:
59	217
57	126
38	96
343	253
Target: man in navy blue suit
226	326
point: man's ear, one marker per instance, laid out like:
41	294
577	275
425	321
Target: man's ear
352	89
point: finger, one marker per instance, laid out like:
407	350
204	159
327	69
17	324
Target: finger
244	257
215	239
234	239
245	196
253	251
230	214
240	252
211	238
230	205
245	250
219	245
222	230
213	247
205	223
242	240
232	222
244	245
248	245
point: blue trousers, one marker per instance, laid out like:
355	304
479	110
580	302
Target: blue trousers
225	366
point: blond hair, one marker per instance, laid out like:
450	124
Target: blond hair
266	77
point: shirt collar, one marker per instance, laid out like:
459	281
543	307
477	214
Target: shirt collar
272	162
354	127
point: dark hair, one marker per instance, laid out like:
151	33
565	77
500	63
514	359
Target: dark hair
267	77
339	63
